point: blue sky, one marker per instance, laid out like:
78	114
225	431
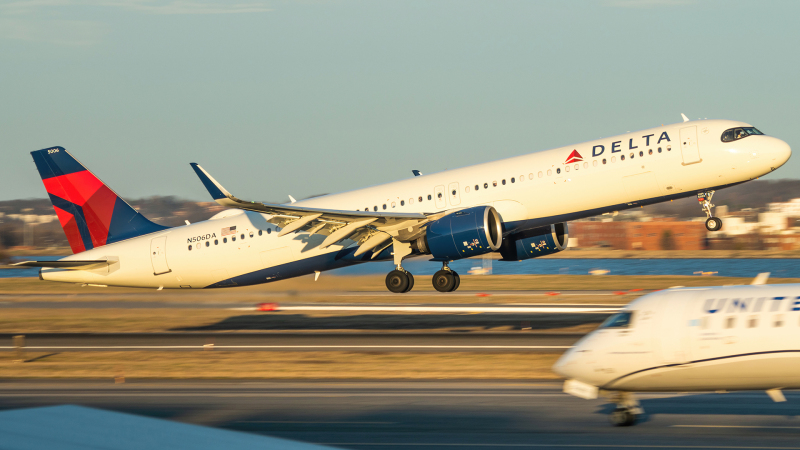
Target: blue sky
310	97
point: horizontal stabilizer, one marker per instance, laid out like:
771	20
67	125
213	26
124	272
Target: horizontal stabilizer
73	264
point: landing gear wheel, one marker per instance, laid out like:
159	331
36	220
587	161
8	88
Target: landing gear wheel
713	224
397	281
410	281
622	417
444	281
458	280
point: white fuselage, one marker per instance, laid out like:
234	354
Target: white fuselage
696	339
532	190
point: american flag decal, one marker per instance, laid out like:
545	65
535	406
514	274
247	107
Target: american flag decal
229	230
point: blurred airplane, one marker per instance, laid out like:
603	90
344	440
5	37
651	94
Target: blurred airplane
517	206
690	339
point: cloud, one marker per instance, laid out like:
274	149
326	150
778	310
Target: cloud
647	3
141	6
62	32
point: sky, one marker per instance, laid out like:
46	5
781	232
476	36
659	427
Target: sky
278	98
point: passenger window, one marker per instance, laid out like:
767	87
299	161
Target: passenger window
619	320
269	230
190	247
622	157
374	208
512	179
504	181
224	240
486	185
466	189
778	322
242	236
558	170
577	166
604	160
669	148
233	238
454	192
402	203
540	174
704	323
251	234
650	152
384	206
208	243
494	183
549	172
586	165
566	168
641	153
439	195
429	197
411	201
260	232
216	242
420	199
753	322
632	155
730	322
477	187
613	159
394	204
530	176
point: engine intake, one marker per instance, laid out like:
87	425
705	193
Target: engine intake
535	242
469	232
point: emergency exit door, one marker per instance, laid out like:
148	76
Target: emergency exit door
158	255
689	149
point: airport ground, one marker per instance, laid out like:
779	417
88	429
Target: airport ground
425	415
357	378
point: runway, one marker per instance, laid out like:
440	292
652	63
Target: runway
436	415
353	342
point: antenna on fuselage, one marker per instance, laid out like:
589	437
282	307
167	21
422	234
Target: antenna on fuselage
292	199
760	279
685	119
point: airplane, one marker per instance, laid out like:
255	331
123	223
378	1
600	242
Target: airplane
516	206
689	340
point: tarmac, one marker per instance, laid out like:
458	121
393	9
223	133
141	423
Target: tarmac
436	414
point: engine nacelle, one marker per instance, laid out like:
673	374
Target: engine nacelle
535	242
469	232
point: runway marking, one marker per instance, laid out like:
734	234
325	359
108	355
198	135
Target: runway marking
218	347
736	426
317	422
268	394
449	309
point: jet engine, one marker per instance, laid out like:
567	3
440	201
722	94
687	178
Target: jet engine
469	232
535	242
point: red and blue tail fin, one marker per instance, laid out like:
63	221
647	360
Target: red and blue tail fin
90	213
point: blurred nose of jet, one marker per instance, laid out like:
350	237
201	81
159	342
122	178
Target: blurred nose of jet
567	366
780	152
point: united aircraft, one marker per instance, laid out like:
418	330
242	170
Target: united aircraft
690	339
518	207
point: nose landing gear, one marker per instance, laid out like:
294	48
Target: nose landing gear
627	411
712	223
446	280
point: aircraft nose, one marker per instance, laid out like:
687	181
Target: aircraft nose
566	365
781	152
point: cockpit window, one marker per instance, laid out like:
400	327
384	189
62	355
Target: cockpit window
734	134
619	320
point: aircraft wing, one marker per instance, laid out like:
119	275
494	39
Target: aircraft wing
371	229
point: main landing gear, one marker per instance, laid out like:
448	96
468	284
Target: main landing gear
401	281
712	223
627	411
446	280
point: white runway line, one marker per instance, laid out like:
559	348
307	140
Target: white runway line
450	309
755	427
457	445
225	347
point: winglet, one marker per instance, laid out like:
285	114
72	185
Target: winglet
214	188
685	119
760	279
291	199
416	172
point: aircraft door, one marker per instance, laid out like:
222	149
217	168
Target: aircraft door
689	149
439	195
158	255
671	334
455	195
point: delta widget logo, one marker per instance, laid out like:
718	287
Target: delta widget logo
574	157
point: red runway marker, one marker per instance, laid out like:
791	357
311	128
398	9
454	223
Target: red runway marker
267	306
552	293
483	294
620	293
634	290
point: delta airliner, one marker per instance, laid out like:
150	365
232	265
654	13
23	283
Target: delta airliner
517	206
